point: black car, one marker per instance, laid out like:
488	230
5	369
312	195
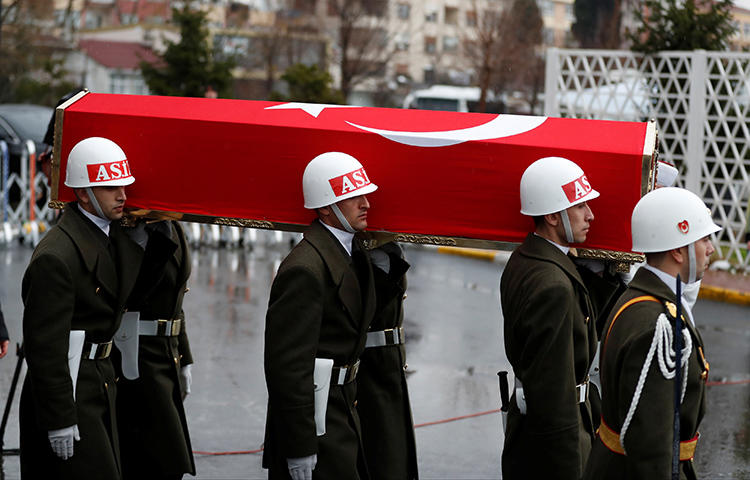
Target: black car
20	122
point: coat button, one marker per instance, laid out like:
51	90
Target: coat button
405	295
187	289
97	290
106	385
354	404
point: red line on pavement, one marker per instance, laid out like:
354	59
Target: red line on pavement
733	382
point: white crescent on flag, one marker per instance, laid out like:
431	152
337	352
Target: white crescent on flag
499	127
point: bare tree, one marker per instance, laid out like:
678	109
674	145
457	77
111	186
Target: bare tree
519	56
481	45
362	39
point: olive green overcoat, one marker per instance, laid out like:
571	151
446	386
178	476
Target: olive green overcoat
154	437
550	340
648	439
73	283
383	405
321	305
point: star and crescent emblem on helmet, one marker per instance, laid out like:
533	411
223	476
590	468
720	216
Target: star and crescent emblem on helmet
683	226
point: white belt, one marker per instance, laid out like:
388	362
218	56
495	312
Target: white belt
160	328
582	394
381	338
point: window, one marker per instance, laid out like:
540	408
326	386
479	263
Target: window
429	74
450	44
402	42
403	11
471	19
430	45
451	16
547	8
431	16
548	36
132	84
746	29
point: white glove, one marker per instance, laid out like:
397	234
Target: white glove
187	380
61	441
301	468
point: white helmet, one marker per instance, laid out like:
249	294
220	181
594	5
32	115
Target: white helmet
334	176
553	184
668	218
97	162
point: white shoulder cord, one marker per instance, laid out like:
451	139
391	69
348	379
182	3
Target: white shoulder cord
662	345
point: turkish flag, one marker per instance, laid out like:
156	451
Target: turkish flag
439	173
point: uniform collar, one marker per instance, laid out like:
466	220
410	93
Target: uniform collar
562	248
344	237
671	282
100	222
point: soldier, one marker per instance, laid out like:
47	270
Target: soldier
321	304
672	226
550	336
383	405
74	291
153	356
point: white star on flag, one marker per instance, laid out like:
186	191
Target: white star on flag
313	109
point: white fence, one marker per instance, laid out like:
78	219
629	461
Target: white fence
700	101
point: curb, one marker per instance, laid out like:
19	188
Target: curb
708	292
726	295
497	256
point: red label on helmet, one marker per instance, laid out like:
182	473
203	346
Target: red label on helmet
349	182
577	189
103	172
684	226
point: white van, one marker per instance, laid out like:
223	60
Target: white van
450	98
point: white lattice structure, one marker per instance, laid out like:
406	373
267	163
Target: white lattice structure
700	101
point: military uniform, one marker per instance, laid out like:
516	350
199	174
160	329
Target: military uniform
77	279
321	305
154	437
625	347
550	340
383	405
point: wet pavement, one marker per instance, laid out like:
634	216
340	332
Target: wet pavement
454	348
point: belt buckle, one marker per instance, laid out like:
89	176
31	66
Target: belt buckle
389	335
351	372
106	349
161	327
176	324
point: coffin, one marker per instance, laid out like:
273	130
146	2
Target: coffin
444	178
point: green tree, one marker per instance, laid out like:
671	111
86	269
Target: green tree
308	83
188	67
682	25
597	23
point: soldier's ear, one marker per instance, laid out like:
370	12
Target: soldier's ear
553	219
679	255
81	195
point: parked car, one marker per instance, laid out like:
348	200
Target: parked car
20	122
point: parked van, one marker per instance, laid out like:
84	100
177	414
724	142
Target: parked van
451	98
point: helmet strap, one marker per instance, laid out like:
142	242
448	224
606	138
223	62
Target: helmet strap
566	226
342	219
95	204
692	263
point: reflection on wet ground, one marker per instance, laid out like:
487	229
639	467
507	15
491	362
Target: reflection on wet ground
454	346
